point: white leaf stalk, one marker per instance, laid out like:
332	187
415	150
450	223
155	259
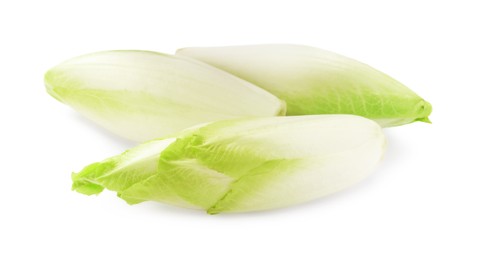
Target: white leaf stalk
243	165
142	95
315	81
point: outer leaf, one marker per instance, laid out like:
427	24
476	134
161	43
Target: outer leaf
314	81
243	164
143	95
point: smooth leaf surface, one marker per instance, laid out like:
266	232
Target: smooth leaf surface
315	81
142	95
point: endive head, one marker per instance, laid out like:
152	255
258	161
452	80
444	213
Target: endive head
243	164
142	95
315	81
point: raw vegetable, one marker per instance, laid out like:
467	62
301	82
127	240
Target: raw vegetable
142	95
243	164
315	81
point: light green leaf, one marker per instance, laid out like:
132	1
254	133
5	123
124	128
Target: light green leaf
243	164
143	95
314	81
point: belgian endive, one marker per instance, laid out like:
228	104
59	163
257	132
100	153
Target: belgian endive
243	164
315	81
142	95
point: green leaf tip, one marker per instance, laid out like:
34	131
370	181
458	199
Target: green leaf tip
424	111
87	188
242	165
424	120
49	87
84	181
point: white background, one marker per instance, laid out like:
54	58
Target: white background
421	203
